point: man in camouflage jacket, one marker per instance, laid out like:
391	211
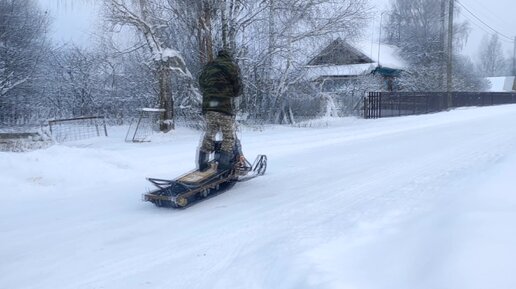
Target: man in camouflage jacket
220	83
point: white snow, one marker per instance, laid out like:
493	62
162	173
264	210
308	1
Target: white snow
315	71
388	55
168	53
411	202
147	109
502	84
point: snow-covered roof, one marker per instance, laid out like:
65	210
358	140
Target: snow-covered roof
316	71
147	109
389	57
502	84
389	54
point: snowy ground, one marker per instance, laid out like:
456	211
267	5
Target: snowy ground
413	202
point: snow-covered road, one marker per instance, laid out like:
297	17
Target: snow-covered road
413	202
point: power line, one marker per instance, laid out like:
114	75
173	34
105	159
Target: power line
487	25
483	22
491	16
483	28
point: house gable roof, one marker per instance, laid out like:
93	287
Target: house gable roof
341	60
339	52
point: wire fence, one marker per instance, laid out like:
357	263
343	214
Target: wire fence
141	129
78	128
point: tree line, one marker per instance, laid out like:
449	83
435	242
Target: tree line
150	53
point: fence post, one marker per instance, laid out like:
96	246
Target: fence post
364	106
371	108
105	128
364	101
379	104
368	106
372	105
399	103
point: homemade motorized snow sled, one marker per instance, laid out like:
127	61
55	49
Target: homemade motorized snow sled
197	185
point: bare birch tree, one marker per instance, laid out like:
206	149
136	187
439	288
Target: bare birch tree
491	59
150	18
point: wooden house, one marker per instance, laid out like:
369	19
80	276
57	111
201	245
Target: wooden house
340	63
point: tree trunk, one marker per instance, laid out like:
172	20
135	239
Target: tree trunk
225	26
234	7
166	100
204	33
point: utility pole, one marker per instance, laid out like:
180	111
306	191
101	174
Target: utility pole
514	59
442	55
380	37
450	54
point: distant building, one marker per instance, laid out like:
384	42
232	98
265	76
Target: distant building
340	63
502	84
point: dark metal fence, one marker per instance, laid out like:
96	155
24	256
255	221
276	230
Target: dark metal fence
387	104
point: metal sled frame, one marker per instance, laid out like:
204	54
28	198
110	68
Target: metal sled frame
179	194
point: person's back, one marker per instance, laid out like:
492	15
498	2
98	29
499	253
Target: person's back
220	83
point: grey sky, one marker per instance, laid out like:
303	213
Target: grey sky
72	20
499	14
77	20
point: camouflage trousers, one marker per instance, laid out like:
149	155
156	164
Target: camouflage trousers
215	122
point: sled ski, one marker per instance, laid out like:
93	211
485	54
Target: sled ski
197	185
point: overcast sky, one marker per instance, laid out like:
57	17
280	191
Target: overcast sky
72	20
76	21
498	14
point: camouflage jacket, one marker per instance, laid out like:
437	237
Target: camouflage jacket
220	83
